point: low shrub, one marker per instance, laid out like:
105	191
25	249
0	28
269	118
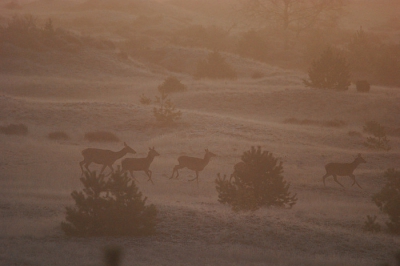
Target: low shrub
58	135
14	129
379	140
329	71
101	136
171	84
363	86
388	200
144	100
371	225
258	182
215	67
113	207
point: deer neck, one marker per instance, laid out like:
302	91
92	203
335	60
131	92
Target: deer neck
150	157
206	159
121	153
354	164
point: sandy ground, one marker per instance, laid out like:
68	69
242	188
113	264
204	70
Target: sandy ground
89	91
323	228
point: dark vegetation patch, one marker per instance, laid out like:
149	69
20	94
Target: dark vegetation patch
14	129
109	207
23	32
309	122
215	67
101	136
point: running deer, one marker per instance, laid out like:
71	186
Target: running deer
103	157
343	169
192	163
140	164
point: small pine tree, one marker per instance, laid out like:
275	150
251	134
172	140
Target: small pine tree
388	200
166	112
259	184
329	71
112	207
371	225
171	84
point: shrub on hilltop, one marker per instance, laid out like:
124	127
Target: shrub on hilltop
215	67
22	31
256	182
113	207
329	71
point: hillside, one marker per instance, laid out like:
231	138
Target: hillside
98	86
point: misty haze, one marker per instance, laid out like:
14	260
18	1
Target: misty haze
200	132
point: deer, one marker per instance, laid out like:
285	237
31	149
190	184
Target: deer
140	164
343	169
192	163
103	157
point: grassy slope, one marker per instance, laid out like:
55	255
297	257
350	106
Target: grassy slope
324	228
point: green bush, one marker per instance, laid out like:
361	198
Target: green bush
14	129
258	182
388	200
112	207
215	67
329	71
101	136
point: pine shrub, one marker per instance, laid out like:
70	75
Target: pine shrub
388	200
215	67
329	71
166	112
112	207
259	183
171	84
371	225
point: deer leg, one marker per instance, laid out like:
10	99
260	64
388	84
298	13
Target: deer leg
149	173
335	178
175	170
80	164
102	169
354	181
196	178
133	177
87	166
